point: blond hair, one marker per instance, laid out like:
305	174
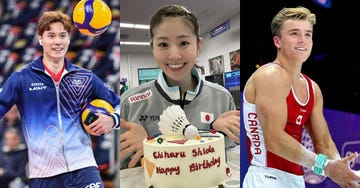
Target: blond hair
297	13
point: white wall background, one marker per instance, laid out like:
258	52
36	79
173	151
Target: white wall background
222	44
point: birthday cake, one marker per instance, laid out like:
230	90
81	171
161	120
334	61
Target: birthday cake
174	161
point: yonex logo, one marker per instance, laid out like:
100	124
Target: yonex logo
151	118
143	118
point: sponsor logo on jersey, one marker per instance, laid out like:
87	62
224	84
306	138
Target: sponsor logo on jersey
94	185
37	86
270	177
77	82
140	96
303	110
144	118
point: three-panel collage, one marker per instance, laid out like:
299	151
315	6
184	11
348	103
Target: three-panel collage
147	94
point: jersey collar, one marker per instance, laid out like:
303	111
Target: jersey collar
174	92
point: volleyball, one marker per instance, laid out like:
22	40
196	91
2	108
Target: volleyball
89	110
91	17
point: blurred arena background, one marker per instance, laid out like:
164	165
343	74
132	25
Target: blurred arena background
101	54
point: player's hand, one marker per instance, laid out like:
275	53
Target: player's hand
229	123
132	141
357	173
340	172
102	125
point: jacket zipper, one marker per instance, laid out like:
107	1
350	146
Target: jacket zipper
57	88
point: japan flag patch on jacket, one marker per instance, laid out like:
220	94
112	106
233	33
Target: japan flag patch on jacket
206	117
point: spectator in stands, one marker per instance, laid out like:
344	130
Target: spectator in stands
13	158
10	119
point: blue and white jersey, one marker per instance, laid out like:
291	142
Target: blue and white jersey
50	115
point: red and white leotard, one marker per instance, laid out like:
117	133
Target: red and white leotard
298	115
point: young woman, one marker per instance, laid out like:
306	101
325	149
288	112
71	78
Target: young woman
175	44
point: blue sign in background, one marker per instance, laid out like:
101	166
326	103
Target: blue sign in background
345	130
220	29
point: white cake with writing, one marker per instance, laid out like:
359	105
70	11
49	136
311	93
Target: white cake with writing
179	162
